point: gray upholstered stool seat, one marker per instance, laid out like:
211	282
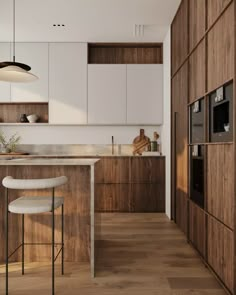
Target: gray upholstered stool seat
34	205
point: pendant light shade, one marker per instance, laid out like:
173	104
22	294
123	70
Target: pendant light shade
12	71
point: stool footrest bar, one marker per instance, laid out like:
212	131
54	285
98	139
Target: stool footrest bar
58	254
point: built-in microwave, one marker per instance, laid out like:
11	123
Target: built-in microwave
197	122
221	114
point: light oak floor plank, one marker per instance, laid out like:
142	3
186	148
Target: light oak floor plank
139	254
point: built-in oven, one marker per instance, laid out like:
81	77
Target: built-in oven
197	174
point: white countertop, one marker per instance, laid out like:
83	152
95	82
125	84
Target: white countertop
45	161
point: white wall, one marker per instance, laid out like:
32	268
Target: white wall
166	129
78	134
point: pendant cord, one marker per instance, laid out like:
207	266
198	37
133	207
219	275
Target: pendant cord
14	29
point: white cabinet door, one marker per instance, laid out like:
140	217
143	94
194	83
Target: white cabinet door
106	94
36	56
145	94
68	83
5	55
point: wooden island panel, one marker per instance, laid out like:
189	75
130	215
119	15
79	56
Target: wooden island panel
38	227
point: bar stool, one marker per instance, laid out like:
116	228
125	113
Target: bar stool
35	205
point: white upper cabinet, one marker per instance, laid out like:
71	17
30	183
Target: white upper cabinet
68	83
106	94
36	56
145	94
5	55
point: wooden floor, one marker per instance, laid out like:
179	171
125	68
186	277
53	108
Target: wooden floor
140	254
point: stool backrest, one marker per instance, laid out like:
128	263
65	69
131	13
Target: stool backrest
24	184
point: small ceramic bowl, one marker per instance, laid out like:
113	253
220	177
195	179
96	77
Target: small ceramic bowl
33	118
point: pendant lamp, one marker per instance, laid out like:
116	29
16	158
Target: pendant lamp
12	71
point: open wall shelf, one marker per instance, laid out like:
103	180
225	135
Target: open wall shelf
11	112
125	53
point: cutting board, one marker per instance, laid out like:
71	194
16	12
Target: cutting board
140	143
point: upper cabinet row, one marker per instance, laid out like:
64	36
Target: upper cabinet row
79	93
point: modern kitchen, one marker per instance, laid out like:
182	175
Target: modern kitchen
117	147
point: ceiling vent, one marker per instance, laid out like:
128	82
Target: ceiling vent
138	30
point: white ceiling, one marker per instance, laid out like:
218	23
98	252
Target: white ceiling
87	20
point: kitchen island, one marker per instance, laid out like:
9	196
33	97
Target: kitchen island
79	209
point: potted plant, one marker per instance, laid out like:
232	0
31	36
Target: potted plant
9	146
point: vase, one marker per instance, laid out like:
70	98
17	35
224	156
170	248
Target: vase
5	150
23	118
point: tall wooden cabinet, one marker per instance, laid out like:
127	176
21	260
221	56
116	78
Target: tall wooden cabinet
203	60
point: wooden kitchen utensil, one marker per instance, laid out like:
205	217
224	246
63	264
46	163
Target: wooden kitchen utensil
140	143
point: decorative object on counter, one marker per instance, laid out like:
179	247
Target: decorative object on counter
154	143
12	71
9	146
33	118
112	145
141	143
23	118
226	127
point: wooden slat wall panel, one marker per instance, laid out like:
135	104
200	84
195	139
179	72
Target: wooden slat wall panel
197	73
215	242
179	145
228	261
220	196
215	7
228	197
179	39
215	179
197	23
221	251
180	86
221	50
197	226
182	211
